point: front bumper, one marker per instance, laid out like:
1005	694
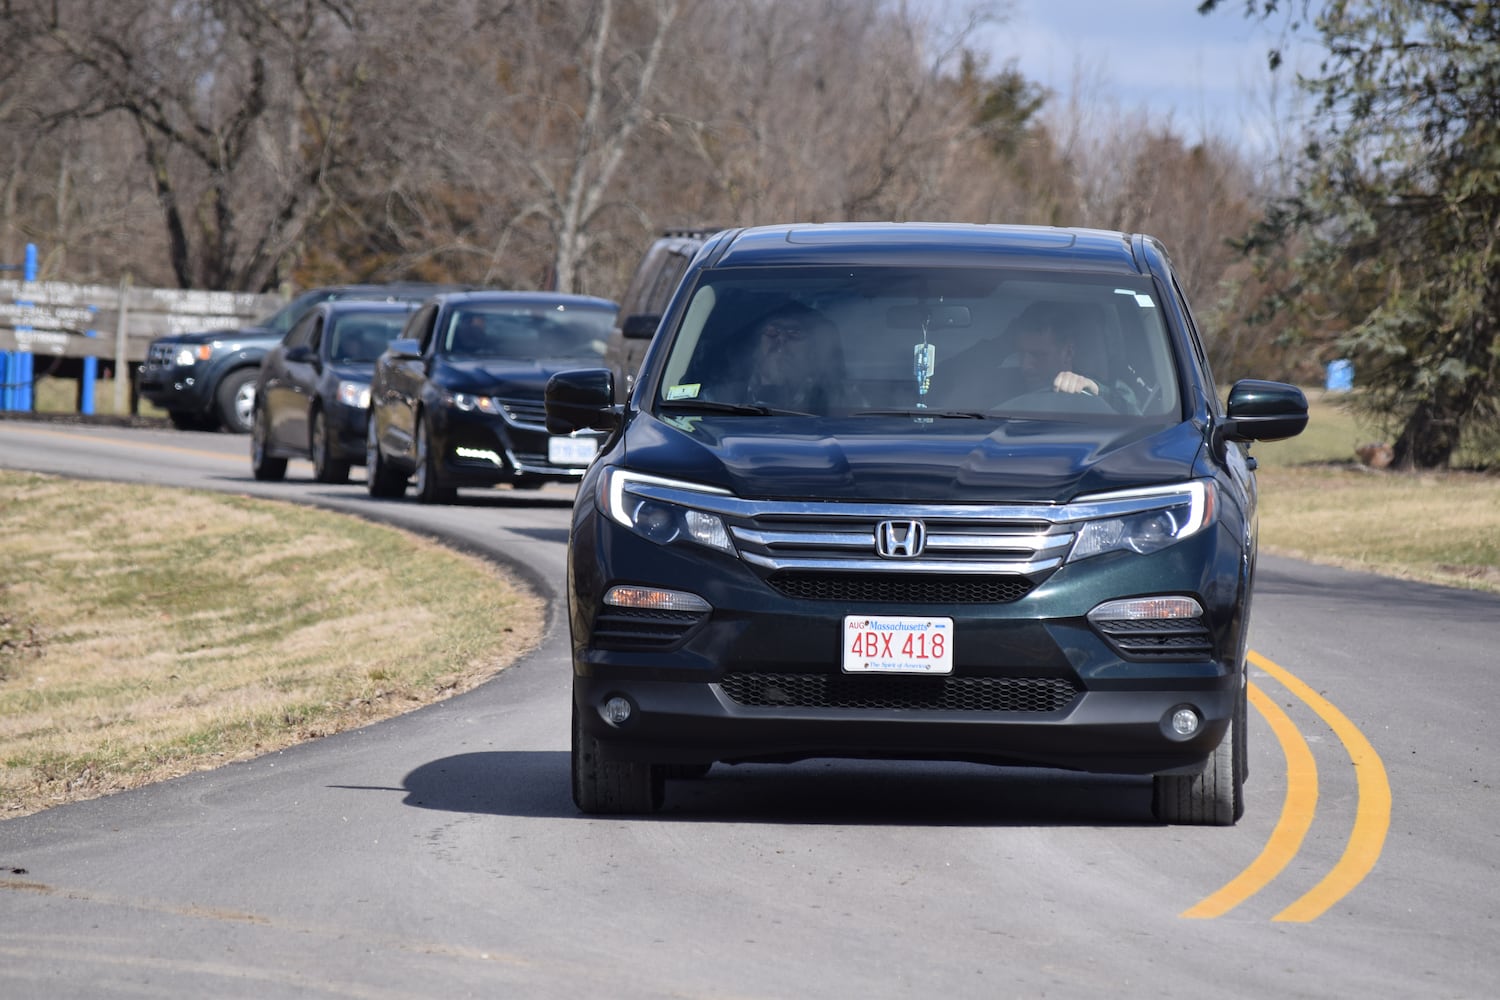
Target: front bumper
174	388
479	449
1034	682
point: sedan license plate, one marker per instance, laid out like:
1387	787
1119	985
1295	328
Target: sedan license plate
887	644
571	450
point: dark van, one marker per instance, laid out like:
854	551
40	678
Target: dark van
651	286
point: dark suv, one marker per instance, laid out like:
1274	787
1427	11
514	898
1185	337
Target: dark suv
207	380
951	492
651	286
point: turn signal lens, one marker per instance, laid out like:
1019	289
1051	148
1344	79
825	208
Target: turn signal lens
653	599
1147	609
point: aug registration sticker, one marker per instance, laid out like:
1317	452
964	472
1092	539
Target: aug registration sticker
886	644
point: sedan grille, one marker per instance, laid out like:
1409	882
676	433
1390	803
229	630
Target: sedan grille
893	693
1158	639
528	413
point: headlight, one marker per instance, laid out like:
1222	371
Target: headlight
621	497
355	395
1169	515
187	355
468	402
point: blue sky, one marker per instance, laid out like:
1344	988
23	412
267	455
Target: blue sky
1207	73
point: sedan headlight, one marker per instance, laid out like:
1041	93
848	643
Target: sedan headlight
1161	517
624	498
468	403
355	395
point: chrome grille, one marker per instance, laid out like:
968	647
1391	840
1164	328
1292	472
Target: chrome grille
826	542
160	355
950	694
528	413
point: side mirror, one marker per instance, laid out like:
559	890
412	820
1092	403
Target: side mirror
405	348
1264	411
581	400
641	326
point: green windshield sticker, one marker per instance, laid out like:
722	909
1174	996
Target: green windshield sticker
687	390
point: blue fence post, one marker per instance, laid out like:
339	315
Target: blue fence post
88	380
20	370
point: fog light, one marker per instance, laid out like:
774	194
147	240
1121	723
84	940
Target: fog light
616	710
1185	721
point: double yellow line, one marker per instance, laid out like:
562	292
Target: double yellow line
1372	817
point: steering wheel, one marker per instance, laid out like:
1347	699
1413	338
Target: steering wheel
1048	401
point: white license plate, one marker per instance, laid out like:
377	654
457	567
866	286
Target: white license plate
571	450
887	644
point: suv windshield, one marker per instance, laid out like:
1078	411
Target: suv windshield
941	342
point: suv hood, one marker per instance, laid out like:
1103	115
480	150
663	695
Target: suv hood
209	336
894	459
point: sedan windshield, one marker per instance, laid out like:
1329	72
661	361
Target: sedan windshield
527	332
938	343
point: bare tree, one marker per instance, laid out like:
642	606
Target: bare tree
239	109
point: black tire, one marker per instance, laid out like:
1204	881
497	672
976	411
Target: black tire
236	400
1242	734
381	481
427	488
326	468
612	787
1214	797
262	465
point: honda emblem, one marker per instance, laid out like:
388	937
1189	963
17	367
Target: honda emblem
900	539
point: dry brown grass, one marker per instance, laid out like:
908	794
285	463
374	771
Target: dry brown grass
147	633
1439	527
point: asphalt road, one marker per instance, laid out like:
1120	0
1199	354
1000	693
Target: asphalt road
439	854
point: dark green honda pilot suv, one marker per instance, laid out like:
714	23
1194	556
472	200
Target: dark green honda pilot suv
953	492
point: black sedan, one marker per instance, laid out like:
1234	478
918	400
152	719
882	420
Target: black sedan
456	400
312	397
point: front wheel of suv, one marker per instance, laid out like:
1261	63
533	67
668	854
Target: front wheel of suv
1214	797
236	400
614	787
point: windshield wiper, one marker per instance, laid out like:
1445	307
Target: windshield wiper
715	406
922	412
